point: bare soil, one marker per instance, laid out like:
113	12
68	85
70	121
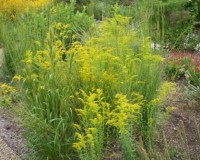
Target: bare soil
11	132
11	141
187	111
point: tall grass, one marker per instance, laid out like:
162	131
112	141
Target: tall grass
124	82
150	18
17	36
49	115
80	89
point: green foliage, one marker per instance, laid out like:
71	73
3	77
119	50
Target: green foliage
17	36
8	95
179	21
194	77
124	80
176	71
81	91
179	64
193	89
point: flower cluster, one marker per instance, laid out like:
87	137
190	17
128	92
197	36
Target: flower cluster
7	94
96	114
90	133
124	114
11	8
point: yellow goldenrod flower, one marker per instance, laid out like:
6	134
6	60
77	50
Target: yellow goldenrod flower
11	8
37	43
7	88
34	76
17	78
40	88
77	126
7	93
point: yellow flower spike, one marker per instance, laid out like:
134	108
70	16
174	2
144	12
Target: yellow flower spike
89	136
71	96
92	116
65	36
38	43
7	88
53	10
92	130
46	64
94	121
7	93
123	113
11	8
58	43
40	88
29	57
165	89
81	111
17	78
77	146
58	25
77	126
28	61
34	76
81	140
66	26
90	139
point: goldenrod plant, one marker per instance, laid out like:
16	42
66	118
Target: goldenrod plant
11	8
91	128
86	86
114	60
8	94
17	36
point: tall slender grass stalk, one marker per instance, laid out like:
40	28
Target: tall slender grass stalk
184	141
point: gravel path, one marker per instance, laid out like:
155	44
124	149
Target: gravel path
10	134
6	153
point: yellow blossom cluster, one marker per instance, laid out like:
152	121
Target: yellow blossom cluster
165	89
41	59
11	8
93	116
17	78
7	93
7	89
84	140
62	30
124	114
96	114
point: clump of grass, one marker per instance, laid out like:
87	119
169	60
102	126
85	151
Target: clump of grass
116	70
124	82
8	94
17	36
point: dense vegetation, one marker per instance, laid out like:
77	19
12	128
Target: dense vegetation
87	75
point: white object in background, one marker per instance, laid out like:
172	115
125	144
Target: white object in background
197	48
155	46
